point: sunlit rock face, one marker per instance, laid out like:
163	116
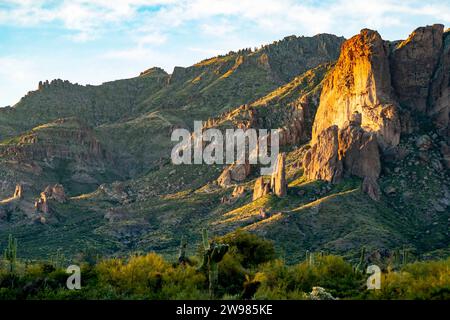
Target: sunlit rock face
357	115
361	82
377	91
278	181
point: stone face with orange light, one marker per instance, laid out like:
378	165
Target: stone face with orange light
360	82
373	95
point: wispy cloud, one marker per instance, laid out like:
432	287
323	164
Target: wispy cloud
127	35
91	18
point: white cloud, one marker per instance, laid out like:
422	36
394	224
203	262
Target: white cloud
218	28
90	18
142	33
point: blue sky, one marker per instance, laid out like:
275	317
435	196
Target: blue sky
93	41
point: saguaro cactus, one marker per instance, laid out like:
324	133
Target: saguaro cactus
213	253
182	259
360	266
405	256
10	253
397	258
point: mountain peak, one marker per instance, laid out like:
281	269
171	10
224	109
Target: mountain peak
153	71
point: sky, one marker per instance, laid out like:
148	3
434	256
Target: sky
94	41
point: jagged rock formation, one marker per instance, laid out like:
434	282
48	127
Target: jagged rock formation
290	109
238	192
55	193
321	161
260	189
41	204
234	173
277	184
278	181
67	148
360	82
388	86
347	151
413	63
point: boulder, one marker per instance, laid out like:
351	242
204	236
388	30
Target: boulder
41	204
424	143
371	188
390	190
58	193
234	173
260	189
238	192
55	193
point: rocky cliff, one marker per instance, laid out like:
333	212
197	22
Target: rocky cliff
391	88
361	82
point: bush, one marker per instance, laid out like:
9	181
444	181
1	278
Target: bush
329	272
251	249
419	280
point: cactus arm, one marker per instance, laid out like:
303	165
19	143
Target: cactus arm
205	239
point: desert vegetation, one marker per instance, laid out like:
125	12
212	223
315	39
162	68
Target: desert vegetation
249	269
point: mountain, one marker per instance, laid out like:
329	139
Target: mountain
363	125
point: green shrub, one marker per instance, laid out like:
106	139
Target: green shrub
252	249
420	280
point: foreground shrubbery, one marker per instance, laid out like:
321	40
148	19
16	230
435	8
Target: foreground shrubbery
250	269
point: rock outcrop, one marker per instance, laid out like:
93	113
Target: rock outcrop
58	193
18	192
445	151
41	204
413	63
50	193
376	91
278	183
234	173
347	151
238	193
360	82
260	189
439	95
321	161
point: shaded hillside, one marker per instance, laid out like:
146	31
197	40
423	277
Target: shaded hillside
135	117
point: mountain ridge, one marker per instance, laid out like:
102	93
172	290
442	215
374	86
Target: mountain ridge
287	86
